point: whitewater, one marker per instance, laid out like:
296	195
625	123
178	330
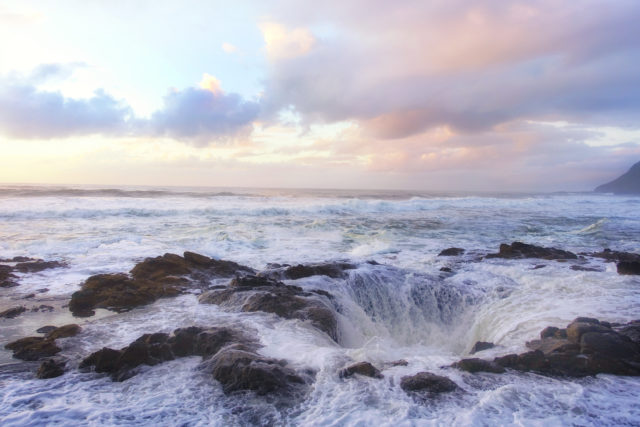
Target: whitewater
397	304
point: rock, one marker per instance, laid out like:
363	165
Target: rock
7	278
481	346
586	347
518	250
478	365
361	368
51	368
33	348
227	353
400	362
628	183
258	293
334	270
632	268
63	332
42	307
164	276
37	266
616	256
583	268
446	269
237	369
427	382
13	312
451	252
46	329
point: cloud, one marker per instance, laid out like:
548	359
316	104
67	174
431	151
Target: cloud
470	65
202	115
283	43
27	112
229	48
196	115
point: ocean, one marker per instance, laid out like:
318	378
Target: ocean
402	306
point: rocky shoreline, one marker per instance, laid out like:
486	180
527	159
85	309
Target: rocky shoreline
585	347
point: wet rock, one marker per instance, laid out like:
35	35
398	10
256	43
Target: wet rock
13	312
335	270
583	268
65	331
258	293
237	369
37	266
51	368
361	368
446	269
227	353
33	348
519	250
481	346
42	307
586	347
427	382
478	365
400	362
616	256
46	329
629	268
451	252
164	276
7	278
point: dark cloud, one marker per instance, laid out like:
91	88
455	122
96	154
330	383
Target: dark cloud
199	115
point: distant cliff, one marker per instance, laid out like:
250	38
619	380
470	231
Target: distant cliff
629	183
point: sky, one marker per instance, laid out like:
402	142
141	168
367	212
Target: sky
470	95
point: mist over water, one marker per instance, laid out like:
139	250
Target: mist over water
400	307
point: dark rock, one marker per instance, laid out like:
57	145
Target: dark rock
586	347
164	276
258	293
37	266
7	278
427	382
65	331
237	369
628	183
518	250
13	312
478	365
446	269
361	368
631	268
400	362
30	296
615	256
481	345
51	368
33	348
334	270
42	307
46	329
451	252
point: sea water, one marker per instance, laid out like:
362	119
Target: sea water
400	307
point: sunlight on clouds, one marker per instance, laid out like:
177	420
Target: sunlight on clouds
229	48
282	43
211	84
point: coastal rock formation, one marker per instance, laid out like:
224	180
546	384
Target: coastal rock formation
585	347
361	368
625	267
427	382
51	368
257	293
629	183
451	252
7	278
13	312
36	348
228	354
35	266
519	250
334	270
481	346
627	262
162	276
